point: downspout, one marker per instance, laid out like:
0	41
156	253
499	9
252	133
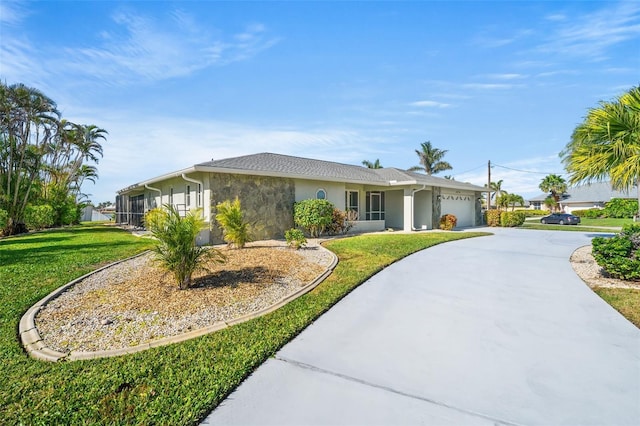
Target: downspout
413	193
151	188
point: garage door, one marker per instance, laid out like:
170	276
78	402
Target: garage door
460	205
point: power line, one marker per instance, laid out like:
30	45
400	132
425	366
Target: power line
527	171
470	170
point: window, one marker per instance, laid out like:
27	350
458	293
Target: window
187	196
375	206
171	196
351	200
536	205
321	194
199	196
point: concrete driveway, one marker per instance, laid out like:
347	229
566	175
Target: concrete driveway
493	330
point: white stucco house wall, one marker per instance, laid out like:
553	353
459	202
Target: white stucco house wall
583	197
269	184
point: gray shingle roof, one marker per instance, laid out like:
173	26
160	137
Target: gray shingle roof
598	192
279	164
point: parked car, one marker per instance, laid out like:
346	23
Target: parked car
561	219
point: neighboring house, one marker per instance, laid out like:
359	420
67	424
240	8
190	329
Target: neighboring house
90	214
583	197
269	184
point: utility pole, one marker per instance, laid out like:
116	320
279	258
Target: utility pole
489	186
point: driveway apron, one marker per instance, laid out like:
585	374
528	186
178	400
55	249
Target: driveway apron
490	330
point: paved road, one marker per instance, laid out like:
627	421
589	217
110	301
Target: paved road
489	331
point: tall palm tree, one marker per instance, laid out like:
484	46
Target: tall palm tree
375	165
496	188
606	145
431	159
554	184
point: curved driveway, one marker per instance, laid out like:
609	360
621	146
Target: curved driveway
491	330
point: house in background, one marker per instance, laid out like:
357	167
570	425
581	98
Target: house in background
269	184
583	197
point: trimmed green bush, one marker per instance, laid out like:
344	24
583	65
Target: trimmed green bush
493	217
39	217
448	222
313	215
511	219
535	213
620	255
231	220
594	213
621	208
295	238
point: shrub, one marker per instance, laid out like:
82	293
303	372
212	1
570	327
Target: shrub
511	219
295	238
619	256
176	248
39	217
493	217
448	222
340	223
313	215
230	219
594	213
534	213
3	219
620	208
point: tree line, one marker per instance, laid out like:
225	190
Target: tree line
44	159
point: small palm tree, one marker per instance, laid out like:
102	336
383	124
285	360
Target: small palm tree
431	159
607	144
375	165
176	248
554	184
496	188
230	218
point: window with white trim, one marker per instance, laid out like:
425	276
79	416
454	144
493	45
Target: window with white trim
321	194
171	196
187	196
199	196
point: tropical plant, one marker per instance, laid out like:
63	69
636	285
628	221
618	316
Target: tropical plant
313	215
496	189
375	165
295	238
513	199
39	217
340	223
230	218
606	145
431	159
550	203
554	184
175	248
511	219
43	158
493	217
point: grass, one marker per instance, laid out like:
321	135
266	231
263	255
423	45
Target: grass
613	222
624	300
540	226
177	384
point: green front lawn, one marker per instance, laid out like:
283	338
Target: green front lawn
177	384
624	300
548	227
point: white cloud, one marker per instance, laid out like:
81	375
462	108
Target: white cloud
430	104
507	76
592	34
490	86
12	12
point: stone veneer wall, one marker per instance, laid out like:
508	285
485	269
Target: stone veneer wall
267	203
436	207
479	215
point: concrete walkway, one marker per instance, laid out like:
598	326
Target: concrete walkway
490	331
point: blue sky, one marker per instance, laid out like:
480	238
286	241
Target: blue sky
178	83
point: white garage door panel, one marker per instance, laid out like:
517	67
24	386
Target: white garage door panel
462	206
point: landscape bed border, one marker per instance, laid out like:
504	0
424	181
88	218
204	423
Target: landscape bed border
36	348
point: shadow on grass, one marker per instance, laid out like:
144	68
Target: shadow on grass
48	253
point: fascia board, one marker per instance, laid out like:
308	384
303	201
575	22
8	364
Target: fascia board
140	185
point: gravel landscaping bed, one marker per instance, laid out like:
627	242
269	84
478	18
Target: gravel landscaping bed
136	302
591	273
